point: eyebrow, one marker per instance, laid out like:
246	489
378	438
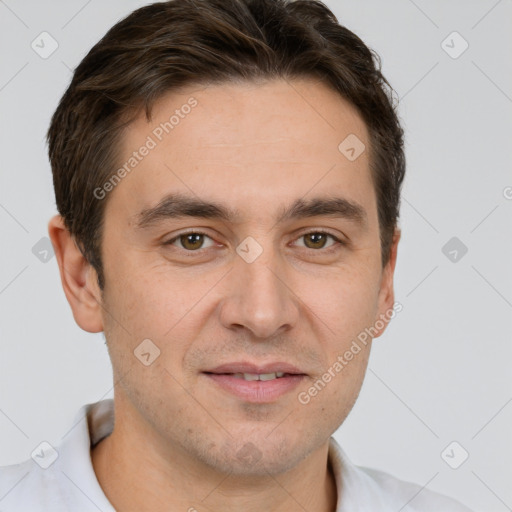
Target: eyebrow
179	205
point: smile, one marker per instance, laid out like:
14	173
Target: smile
256	376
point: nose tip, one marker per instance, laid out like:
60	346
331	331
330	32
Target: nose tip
258	300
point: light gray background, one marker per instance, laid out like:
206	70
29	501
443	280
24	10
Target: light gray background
440	373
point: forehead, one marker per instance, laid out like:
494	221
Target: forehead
230	143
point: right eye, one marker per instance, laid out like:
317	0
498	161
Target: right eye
191	241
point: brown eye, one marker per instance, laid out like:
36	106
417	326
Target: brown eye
192	241
315	240
319	240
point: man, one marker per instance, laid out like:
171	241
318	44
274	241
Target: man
227	175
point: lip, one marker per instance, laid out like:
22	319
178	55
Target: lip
246	367
256	391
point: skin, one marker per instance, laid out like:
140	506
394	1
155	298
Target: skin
256	148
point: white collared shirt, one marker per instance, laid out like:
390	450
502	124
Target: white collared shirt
62	478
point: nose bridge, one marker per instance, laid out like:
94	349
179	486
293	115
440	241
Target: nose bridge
258	298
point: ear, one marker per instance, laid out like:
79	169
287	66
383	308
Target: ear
387	293
78	277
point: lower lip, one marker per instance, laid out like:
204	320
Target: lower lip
257	391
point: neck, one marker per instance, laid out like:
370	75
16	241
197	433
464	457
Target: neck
153	476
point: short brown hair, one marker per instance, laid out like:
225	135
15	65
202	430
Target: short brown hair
169	45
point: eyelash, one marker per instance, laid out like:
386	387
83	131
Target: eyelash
316	231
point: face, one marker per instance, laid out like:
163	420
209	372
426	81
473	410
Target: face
242	241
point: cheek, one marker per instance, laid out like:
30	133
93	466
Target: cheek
168	307
332	395
344	303
153	300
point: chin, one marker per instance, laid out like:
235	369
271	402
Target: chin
244	458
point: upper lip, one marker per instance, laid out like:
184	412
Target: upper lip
246	367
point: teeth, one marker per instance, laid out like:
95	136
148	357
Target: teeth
255	376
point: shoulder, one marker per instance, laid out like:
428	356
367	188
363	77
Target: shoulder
364	489
411	496
60	478
26	486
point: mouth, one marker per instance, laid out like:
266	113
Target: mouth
268	371
256	383
256	376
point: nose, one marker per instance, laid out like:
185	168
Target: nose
259	298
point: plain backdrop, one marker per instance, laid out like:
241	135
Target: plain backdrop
441	372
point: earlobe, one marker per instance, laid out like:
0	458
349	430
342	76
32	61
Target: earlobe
387	293
78	277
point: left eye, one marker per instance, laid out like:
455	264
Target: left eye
317	239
